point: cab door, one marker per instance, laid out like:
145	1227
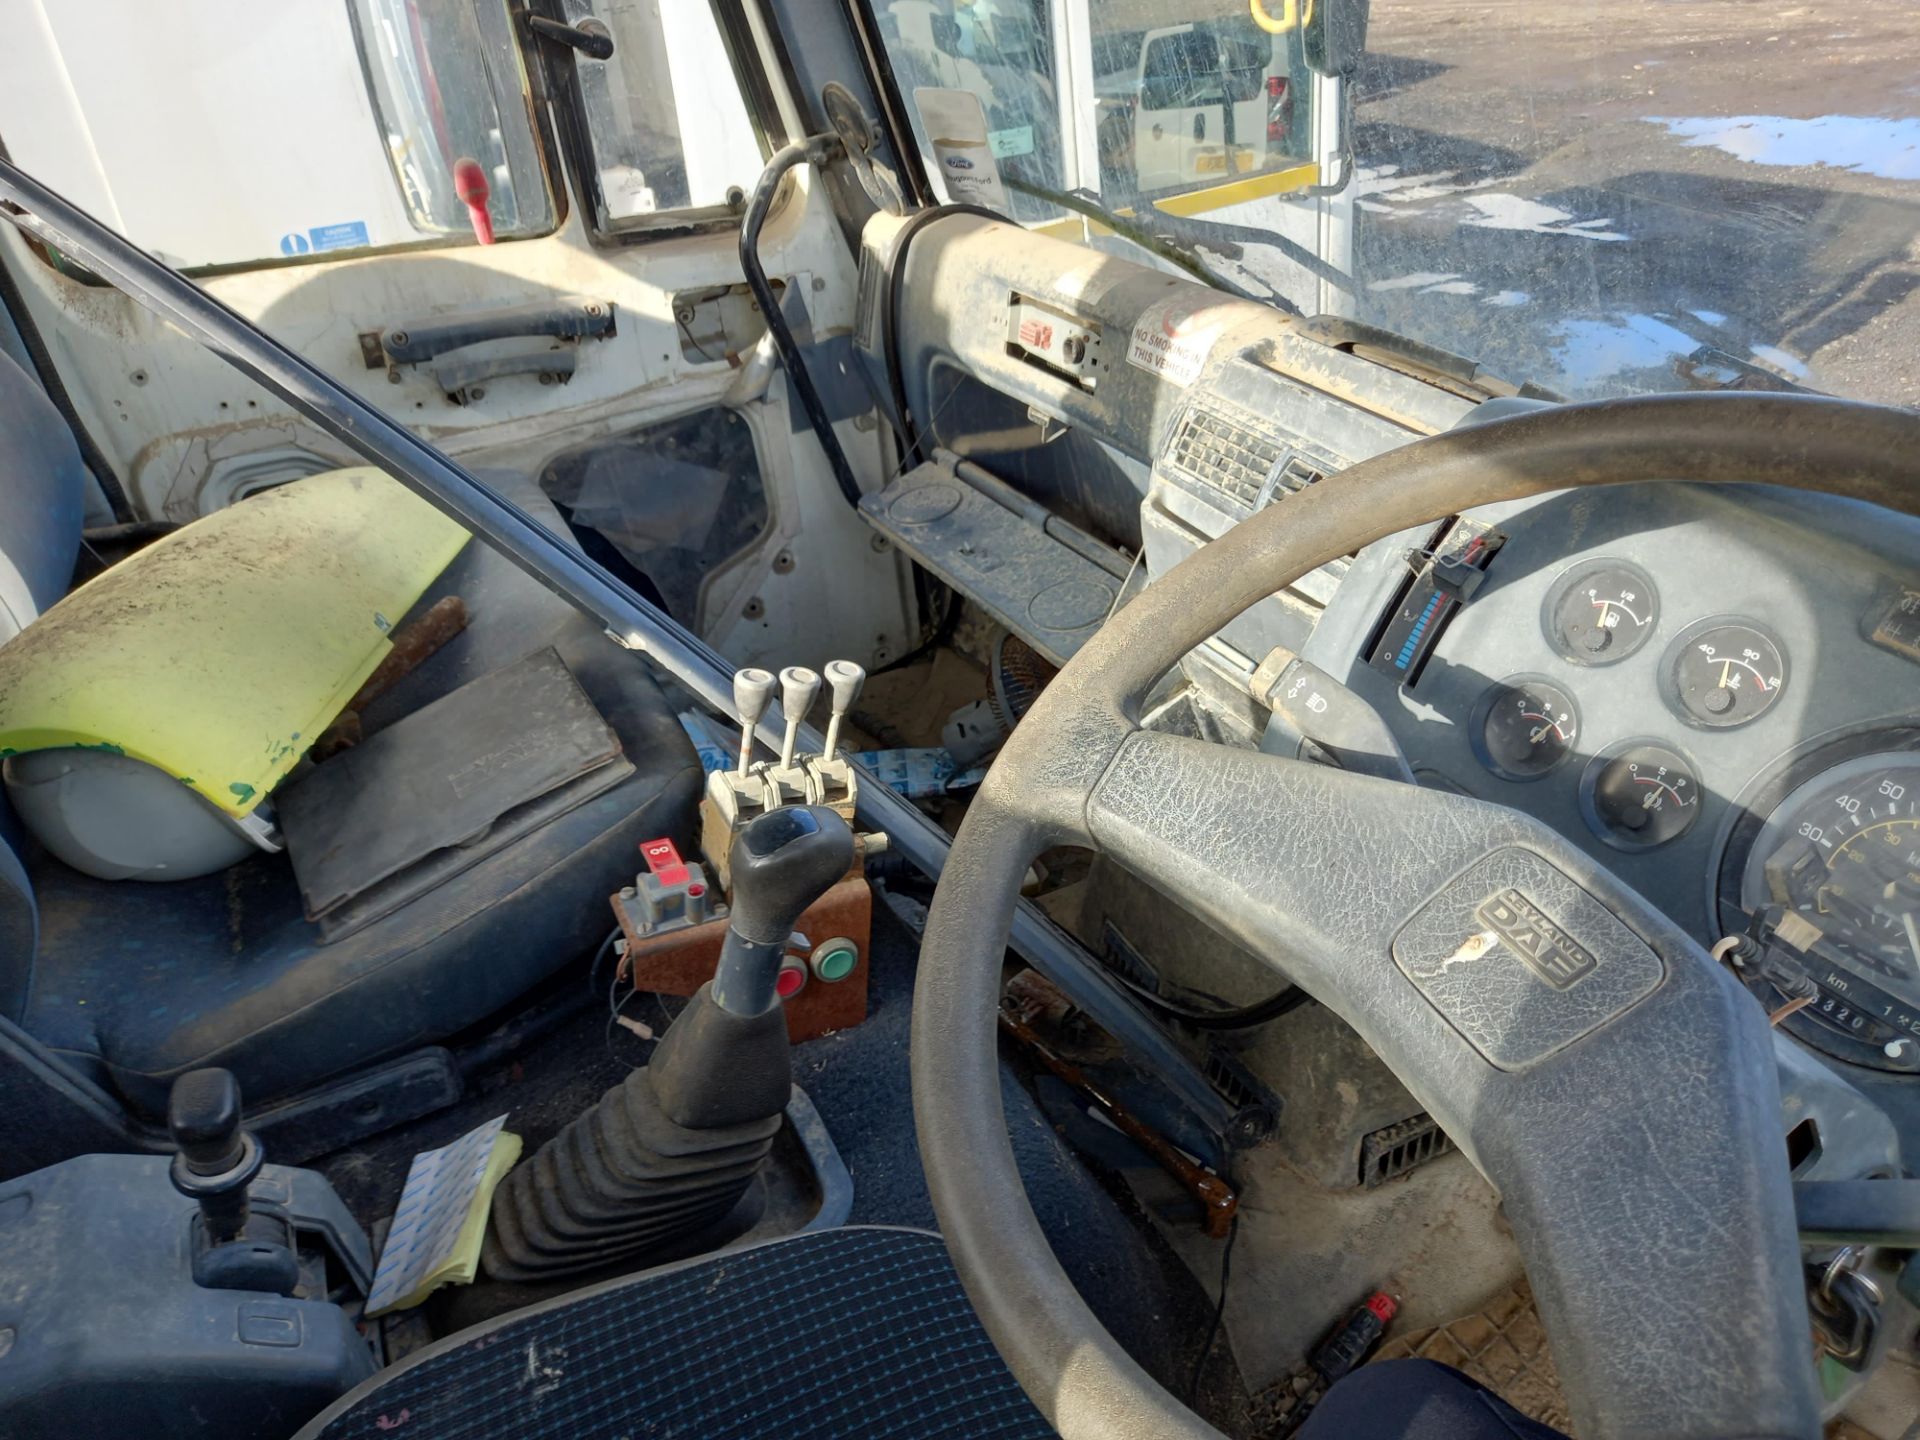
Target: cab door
514	226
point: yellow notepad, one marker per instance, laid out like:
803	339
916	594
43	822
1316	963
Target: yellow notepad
441	1220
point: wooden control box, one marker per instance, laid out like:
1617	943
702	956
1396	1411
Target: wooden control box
680	961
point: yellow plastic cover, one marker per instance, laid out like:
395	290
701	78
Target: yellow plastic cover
220	652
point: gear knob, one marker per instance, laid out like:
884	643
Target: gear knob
217	1159
781	863
203	1114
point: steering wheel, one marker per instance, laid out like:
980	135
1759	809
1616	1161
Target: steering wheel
1614	1085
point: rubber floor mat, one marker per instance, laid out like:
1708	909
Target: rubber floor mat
1503	1346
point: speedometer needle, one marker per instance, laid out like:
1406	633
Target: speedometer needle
1913	934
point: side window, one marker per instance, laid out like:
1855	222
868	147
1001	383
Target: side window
228	134
668	136
1179	97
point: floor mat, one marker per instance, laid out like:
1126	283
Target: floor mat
858	1080
1503	1346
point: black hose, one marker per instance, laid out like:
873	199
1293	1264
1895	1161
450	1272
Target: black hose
1236	1017
910	439
801	152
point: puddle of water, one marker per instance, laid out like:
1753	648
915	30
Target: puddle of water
1592	352
1866	144
1709	317
1507	299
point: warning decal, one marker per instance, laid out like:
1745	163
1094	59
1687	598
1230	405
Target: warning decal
1174	338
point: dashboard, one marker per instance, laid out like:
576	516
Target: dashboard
1713	691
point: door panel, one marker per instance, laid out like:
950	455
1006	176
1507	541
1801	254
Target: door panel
188	434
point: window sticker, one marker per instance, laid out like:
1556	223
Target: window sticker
962	152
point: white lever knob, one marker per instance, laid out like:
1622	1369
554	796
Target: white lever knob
798	688
752	689
844	679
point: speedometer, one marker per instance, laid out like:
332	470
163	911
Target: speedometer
1842	853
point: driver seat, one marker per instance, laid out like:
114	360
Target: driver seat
860	1333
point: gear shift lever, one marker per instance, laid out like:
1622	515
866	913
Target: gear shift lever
667	1163
217	1159
782	863
236	1246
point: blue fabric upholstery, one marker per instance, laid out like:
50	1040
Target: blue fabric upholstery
137	983
42	497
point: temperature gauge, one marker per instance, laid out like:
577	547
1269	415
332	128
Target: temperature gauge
1601	612
1724	672
1640	794
1524	727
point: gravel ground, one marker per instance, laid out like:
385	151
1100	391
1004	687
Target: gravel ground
1582	193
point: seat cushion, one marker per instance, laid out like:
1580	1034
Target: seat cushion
855	1334
137	983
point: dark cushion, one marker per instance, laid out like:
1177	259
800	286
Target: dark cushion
136	983
855	1334
42	498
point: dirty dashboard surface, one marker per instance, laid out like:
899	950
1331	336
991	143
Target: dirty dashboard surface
1711	691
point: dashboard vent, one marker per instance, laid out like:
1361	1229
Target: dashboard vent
1296	475
1394	1151
1225	453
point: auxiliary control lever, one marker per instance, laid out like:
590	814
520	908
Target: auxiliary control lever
236	1245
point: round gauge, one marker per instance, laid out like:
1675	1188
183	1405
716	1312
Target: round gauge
1601	612
1724	672
1524	727
1640	794
1843	852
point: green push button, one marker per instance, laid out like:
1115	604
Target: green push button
835	959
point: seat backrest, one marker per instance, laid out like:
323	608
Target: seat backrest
43	486
19	922
42	499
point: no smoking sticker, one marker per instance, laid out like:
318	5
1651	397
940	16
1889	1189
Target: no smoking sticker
1174	338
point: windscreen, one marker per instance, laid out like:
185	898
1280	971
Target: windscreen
1600	198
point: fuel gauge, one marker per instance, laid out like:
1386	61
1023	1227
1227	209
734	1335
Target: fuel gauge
1601	612
1524	727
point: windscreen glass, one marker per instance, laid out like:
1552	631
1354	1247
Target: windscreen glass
1600	201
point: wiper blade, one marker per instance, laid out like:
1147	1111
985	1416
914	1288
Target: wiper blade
1164	240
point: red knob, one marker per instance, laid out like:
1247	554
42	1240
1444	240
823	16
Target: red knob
470	184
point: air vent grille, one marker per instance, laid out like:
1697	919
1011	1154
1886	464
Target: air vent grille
1222	452
1399	1149
1296	475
